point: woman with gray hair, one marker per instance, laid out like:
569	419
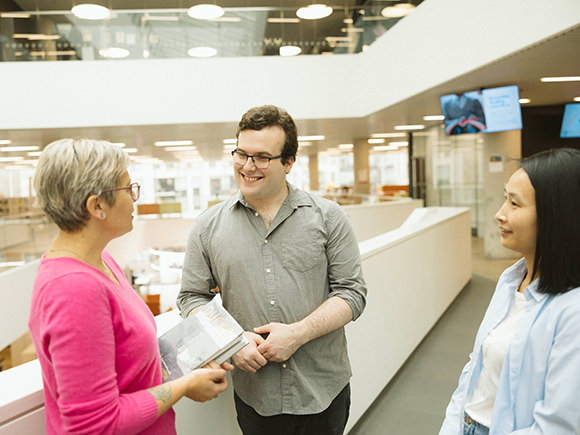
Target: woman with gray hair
95	337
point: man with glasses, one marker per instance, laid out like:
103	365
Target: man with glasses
288	267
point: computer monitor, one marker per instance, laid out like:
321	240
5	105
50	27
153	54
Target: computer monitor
571	121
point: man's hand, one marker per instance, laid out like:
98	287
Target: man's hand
249	359
283	340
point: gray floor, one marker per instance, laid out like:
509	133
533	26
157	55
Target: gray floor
414	402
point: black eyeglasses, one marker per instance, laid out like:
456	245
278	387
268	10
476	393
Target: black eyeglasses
260	162
133	188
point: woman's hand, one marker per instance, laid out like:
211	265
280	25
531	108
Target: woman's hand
205	384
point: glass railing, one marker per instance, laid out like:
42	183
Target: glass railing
172	33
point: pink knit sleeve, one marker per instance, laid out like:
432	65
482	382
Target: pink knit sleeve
78	334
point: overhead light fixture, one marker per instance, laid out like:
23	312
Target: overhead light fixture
114	52
168	143
376	140
315	137
14	15
345	146
34	153
399	144
181	148
89	11
202	52
561	79
290	50
205	12
118	144
410	127
525	100
314	12
230	141
130	150
304	143
389	135
35	36
576	98
433	117
10	159
398	11
283	20
149	17
5	141
385	148
19	148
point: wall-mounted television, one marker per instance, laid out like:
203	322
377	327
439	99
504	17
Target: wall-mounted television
482	111
571	121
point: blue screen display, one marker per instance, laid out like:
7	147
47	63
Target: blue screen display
571	121
485	111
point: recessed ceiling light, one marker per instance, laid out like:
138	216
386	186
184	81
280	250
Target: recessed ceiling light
315	137
168	143
290	50
389	135
410	127
314	12
10	159
89	11
5	141
34	153
561	79
346	146
114	52
385	148
14	15
398	11
376	140
35	36
282	20
21	148
525	100
118	144
230	141
130	150
202	52
576	98
303	143
433	118
399	144
181	148
205	12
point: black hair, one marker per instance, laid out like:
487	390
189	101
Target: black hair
555	176
261	117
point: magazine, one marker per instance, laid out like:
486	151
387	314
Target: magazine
210	333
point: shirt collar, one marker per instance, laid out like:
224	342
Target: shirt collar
516	273
296	198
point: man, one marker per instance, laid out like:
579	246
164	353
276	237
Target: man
288	268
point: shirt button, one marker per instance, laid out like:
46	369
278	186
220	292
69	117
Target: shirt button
268	270
272	302
266	241
284	366
257	214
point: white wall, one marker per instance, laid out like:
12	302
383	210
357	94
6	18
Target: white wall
416	54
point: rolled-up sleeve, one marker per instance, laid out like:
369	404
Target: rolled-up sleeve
344	263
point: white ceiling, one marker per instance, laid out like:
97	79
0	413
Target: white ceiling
558	56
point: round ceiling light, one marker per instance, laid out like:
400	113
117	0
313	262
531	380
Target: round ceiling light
314	12
202	52
205	12
398	11
290	50
114	52
89	11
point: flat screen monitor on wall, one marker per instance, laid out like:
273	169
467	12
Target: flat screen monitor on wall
482	111
571	121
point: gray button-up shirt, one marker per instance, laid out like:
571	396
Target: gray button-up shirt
280	274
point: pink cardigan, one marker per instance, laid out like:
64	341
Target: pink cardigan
97	346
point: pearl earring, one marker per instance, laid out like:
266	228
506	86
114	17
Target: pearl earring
102	215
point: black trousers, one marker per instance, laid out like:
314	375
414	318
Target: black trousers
331	421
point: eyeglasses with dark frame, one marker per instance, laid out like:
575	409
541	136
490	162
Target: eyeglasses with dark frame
260	162
133	188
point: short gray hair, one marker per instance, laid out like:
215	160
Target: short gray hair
71	170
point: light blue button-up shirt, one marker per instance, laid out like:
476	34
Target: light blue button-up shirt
539	385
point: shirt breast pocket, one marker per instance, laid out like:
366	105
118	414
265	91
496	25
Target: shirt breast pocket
303	253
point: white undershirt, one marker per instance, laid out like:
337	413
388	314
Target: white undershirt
494	350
